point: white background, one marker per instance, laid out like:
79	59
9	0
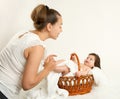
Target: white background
88	26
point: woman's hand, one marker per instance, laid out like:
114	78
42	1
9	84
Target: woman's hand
50	63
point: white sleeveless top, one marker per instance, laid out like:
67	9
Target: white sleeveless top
12	61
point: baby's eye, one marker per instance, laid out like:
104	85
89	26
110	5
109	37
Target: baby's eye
60	26
91	59
87	57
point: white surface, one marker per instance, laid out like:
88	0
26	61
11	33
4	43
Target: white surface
96	93
102	88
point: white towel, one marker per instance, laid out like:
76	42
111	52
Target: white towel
48	89
53	78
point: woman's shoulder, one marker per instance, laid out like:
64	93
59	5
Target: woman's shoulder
32	39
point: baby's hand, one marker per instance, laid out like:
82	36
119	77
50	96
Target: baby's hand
78	73
83	71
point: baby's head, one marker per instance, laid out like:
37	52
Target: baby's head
92	60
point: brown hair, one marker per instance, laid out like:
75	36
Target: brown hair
42	14
97	60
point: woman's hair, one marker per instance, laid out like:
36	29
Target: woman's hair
97	60
42	14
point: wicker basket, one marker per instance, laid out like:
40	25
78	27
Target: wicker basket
76	85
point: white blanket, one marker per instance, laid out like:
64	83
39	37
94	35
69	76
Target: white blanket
49	89
99	77
53	78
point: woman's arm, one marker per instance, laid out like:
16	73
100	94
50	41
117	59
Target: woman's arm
31	77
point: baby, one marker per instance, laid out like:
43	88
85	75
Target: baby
92	65
92	60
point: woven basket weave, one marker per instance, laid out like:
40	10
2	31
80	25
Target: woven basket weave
76	85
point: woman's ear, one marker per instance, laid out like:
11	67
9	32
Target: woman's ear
49	27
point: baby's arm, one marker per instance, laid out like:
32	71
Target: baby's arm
84	70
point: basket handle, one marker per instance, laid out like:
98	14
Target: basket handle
76	59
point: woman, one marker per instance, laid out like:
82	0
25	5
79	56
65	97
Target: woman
21	58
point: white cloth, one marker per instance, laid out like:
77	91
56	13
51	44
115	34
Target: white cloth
101	89
49	88
53	79
99	77
12	61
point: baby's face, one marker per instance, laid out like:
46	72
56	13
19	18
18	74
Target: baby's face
90	61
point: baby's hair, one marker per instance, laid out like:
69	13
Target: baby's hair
42	14
97	60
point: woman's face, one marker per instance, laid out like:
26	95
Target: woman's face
90	61
56	29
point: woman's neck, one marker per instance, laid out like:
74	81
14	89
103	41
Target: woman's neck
42	34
